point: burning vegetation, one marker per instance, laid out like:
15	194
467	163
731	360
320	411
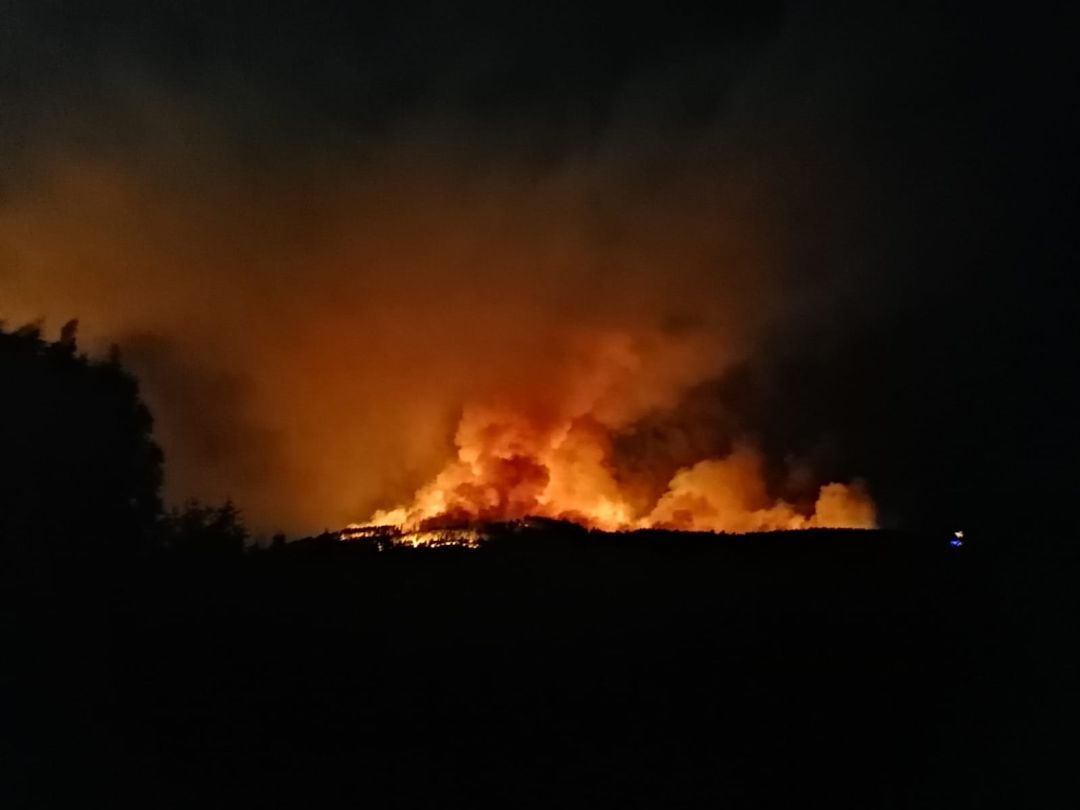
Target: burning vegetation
553	456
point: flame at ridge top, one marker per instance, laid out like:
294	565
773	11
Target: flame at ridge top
514	462
721	494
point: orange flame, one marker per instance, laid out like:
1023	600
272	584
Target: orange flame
552	457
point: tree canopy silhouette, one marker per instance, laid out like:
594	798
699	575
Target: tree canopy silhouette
203	529
79	469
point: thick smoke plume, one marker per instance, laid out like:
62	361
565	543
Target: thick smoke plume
313	362
325	319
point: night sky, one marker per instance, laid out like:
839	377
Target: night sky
317	230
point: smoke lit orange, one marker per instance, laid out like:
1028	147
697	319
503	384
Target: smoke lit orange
553	457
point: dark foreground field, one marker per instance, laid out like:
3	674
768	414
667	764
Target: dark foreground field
839	670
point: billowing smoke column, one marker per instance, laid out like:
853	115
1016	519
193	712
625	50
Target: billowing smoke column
555	459
328	305
319	362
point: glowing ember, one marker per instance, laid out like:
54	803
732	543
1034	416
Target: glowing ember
552	457
388	536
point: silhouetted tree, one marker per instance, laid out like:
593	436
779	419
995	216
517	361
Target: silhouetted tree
198	528
80	474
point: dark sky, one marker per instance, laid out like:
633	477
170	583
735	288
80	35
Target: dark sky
299	218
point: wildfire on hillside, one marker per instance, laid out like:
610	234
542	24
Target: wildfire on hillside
553	457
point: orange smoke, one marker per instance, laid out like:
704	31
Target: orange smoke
553	457
307	341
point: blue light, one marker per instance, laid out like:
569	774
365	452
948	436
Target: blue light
956	543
